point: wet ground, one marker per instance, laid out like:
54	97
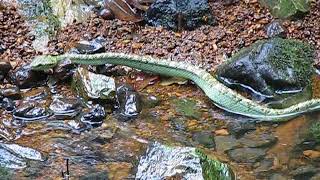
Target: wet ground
254	150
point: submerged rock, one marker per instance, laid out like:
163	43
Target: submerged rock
64	70
287	8
315	131
165	162
204	138
258	139
65	108
178	15
247	155
93	86
239	128
25	77
276	71
128	102
95	116
187	107
7	104
10	91
30	111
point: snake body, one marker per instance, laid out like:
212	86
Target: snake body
222	96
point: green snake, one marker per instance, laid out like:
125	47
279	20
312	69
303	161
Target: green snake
222	96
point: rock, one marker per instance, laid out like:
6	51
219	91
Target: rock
178	15
239	128
221	132
288	8
315	131
225	143
93	86
149	101
278	177
10	91
276	29
24	77
2	49
29	111
204	138
5	173
246	155
91	47
95	116
304	172
166	162
65	108
7	104
315	177
64	70
95	176
5	67
129	102
258	139
15	156
122	10
276	71
188	108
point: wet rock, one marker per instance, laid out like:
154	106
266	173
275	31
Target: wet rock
255	139
149	101
315	177
304	172
278	177
276	29
16	156
276	71
225	143
65	108
24	77
288	8
122	10
5	173
264	167
2	49
106	14
5	67
28	111
314	155
95	116
7	104
10	91
178	124
163	162
95	176
187	107
91	47
64	70
93	86
247	155
204	138
239	128
129	102
178	15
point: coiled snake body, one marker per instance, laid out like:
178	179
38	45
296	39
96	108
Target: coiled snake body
222	96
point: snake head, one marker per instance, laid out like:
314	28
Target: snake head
44	62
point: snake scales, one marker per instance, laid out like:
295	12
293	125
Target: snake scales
222	96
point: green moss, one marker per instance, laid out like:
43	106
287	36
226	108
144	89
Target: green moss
5	174
213	169
315	131
188	108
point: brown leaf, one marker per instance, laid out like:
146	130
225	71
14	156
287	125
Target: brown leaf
122	10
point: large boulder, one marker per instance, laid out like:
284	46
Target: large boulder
287	8
277	70
177	14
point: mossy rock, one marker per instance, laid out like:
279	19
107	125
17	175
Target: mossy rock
274	70
285	9
315	131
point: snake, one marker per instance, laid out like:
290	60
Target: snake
222	96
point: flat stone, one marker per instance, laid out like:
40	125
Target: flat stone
247	155
258	139
225	143
204	138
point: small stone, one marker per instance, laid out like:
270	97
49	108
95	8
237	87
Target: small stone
65	108
276	29
64	70
278	177
7	104
95	116
5	67
95	176
221	132
91	47
24	77
10	91
247	155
